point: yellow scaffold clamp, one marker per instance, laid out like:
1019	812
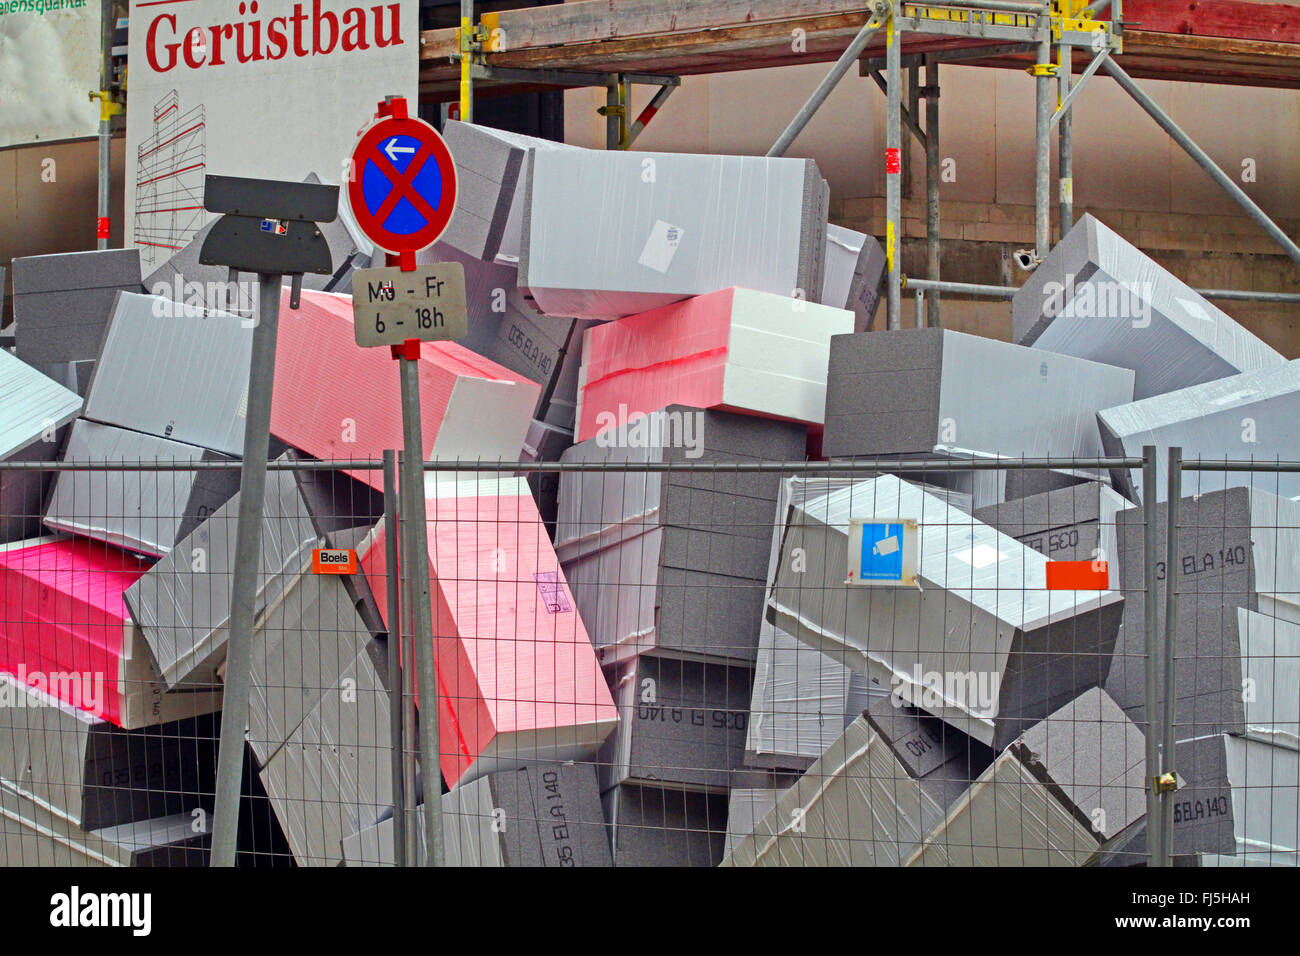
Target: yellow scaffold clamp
1042	69
108	107
1165	783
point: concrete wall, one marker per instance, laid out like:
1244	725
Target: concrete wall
48	194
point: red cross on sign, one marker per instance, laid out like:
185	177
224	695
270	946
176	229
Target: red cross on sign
402	183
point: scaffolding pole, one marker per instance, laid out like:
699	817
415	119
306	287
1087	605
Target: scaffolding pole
932	175
893	168
831	80
1065	145
1202	158
1043	147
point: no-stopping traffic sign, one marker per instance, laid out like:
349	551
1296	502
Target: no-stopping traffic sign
402	187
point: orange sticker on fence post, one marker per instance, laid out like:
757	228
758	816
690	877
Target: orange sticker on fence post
333	561
1078	576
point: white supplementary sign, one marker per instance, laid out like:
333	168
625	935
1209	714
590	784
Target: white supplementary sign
390	306
49	63
272	89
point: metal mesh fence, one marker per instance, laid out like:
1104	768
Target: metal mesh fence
656	659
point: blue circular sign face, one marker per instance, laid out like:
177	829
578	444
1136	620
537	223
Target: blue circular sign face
377	185
404	185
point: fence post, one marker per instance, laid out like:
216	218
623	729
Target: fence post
394	657
1175	493
1151	609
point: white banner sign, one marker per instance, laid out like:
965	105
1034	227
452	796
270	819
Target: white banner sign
49	63
273	89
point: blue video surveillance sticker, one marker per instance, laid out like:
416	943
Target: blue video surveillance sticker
882	551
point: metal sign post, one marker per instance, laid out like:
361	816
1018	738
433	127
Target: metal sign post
268	228
402	190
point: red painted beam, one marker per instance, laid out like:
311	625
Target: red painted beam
1235	19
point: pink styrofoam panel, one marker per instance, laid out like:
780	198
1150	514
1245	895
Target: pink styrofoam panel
675	354
518	677
62	617
334	399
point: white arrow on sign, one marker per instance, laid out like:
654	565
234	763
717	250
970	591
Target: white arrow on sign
391	147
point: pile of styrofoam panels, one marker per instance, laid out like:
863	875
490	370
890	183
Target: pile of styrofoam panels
66	624
319	720
802	699
1237	662
168	386
735	349
542	815
673	561
334	400
897	790
182	603
934	391
1255	415
1238	554
33	409
982	619
855	274
1076	523
1097	297
608	234
63	302
519	680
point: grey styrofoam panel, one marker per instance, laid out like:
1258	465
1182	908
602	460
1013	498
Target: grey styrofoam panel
1236	548
854	273
332	778
1098	297
182	603
982	614
669	826
545	814
301	650
143	511
943	760
1096	756
917	391
488	167
681	723
93	773
174	371
32	405
1255	415
600	242
23	493
62	302
334	501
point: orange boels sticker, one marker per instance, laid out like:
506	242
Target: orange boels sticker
333	561
1078	576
